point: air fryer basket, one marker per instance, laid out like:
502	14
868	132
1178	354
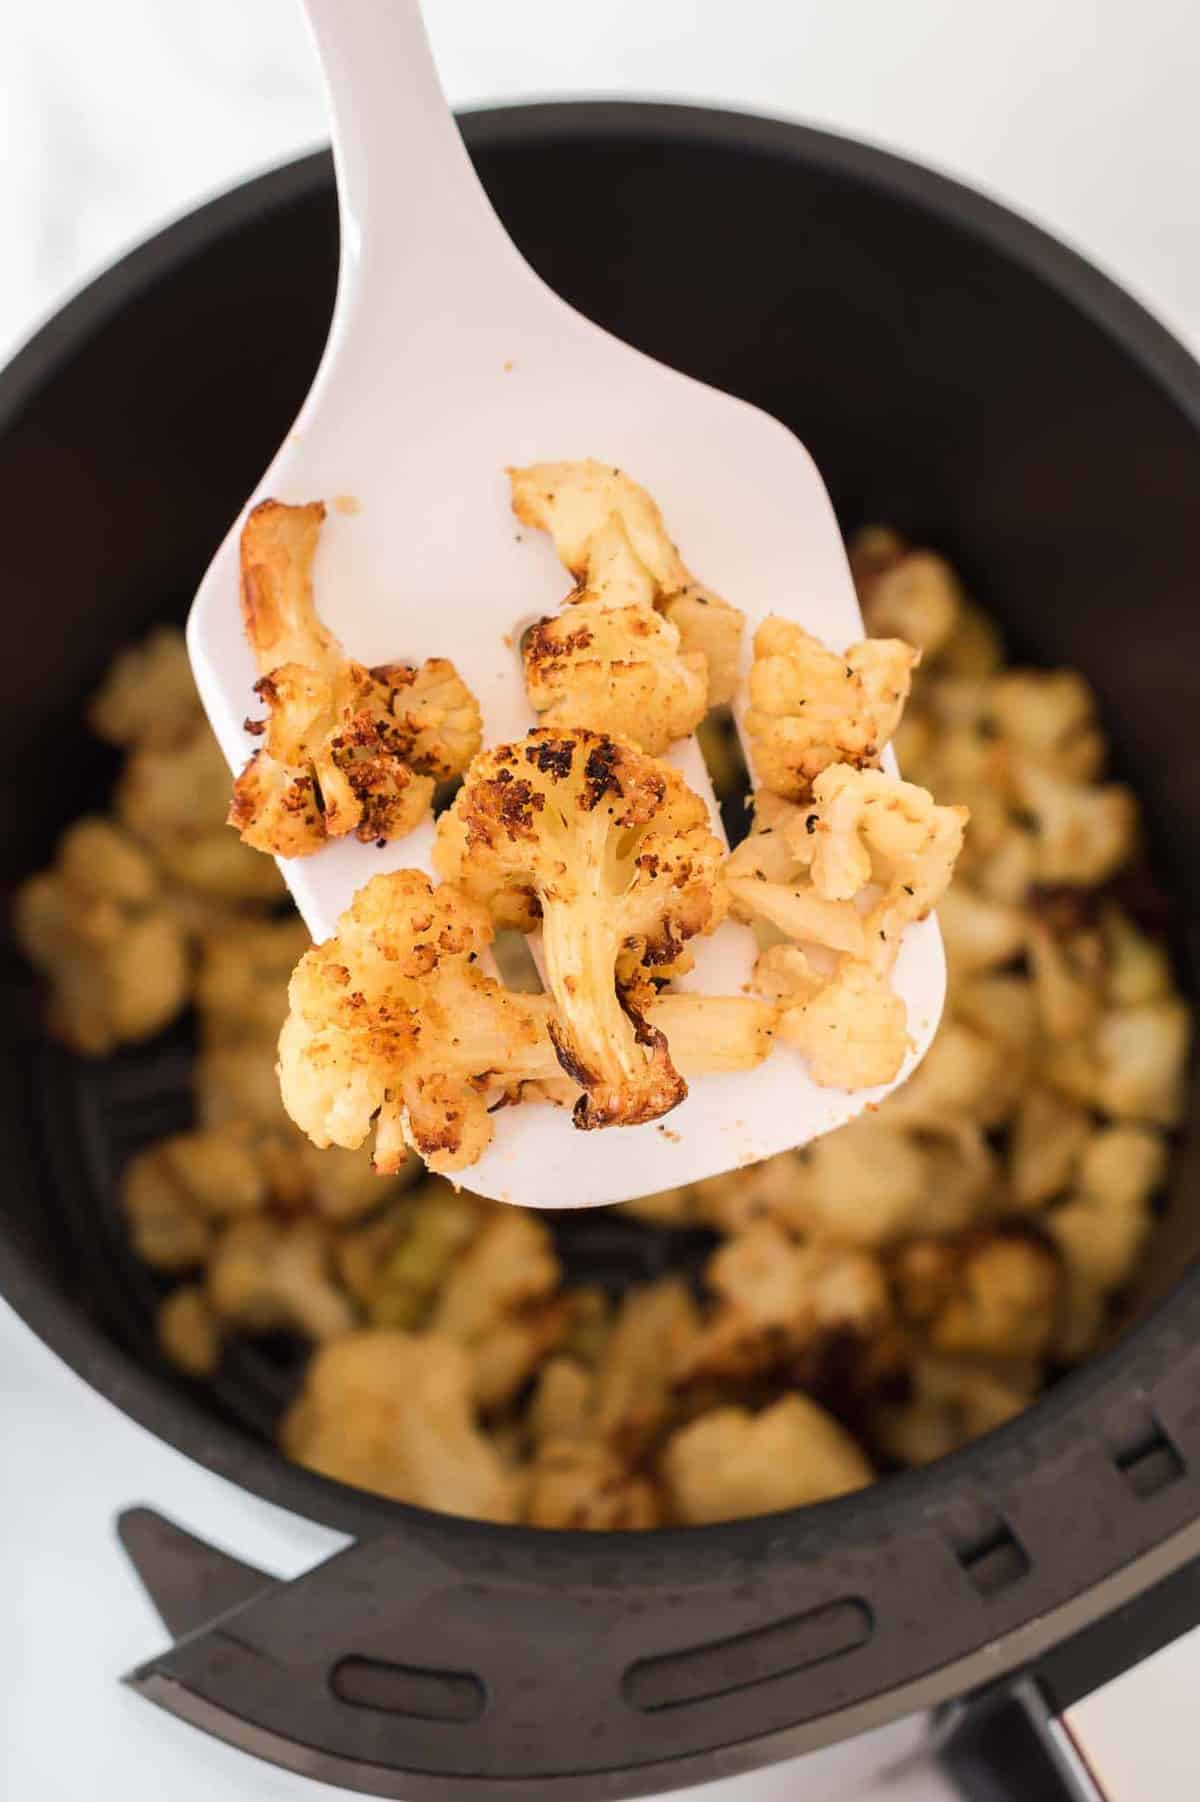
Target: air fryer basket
953	371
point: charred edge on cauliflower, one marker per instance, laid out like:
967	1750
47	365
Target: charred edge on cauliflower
618	853
346	749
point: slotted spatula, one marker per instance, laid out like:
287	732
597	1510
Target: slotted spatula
447	360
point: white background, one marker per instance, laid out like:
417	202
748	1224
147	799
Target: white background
117	114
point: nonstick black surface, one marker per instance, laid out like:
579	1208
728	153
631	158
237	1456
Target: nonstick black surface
954	373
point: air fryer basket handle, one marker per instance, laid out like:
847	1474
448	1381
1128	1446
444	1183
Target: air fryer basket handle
1111	1716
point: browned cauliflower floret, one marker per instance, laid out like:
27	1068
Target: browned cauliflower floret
583	1485
96	925
1049	1133
853	1033
1101	1228
499	1300
1049	716
869	1183
1131	1064
188	1331
173	797
1081	833
731	1463
178	1192
393	1024
242	987
391	1413
913	595
269	1276
810	708
990	1294
777	1299
610	662
951	1401
612	853
148	696
346	749
641	674
978	934
574	501
864	835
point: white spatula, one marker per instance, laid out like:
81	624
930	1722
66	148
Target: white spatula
447	360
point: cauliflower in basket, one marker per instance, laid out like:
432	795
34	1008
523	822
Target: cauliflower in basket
346	749
810	708
641	649
148	696
391	1413
731	1463
98	925
393	1024
612	854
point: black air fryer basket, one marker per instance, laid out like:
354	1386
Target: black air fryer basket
953	371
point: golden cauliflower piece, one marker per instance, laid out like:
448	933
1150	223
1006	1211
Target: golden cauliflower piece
1081	833
391	1413
148	696
96	925
1049	716
953	1400
810	708
583	1485
1131	1064
914	595
188	1331
1101	1228
731	1463
242	986
575	501
776	1299
853	1033
999	1294
178	1193
499	1301
611	662
612	853
346	749
393	1024
269	1276
173	796
615	669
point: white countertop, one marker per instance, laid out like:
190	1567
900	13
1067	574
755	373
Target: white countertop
118	116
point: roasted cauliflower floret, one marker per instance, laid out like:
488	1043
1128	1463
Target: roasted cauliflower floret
865	835
1081	833
999	1295
1131	1064
392	1024
499	1301
188	1331
575	501
639	676
346	749
953	1400
810	708
391	1413
616	669
613	854
242	986
1049	716
97	926
913	595
777	1299
269	1276
853	1033
1101	1228
583	1485
148	696
179	1192
731	1463
173	796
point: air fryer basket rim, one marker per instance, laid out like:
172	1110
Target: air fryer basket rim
1154	1351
